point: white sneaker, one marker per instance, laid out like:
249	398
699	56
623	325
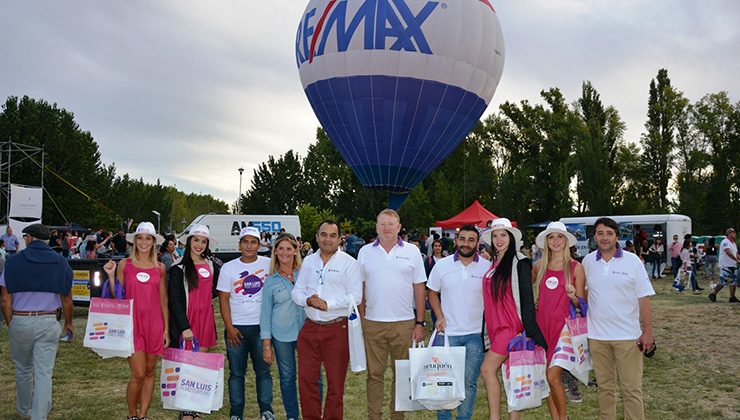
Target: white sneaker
267	416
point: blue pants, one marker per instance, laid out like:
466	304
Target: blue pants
33	344
473	360
285	356
250	346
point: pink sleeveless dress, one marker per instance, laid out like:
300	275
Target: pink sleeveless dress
200	308
142	285
553	306
502	318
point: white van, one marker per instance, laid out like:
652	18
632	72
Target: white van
225	229
662	226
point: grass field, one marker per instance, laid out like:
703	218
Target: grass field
694	375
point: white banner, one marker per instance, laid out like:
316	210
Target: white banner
25	201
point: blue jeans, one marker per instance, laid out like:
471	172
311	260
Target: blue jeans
656	267
250	346
285	356
33	344
474	354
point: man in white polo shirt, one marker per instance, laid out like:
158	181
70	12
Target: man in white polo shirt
618	297
239	287
324	285
458	278
728	258
394	276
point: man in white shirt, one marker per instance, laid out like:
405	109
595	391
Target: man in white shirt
619	293
240	299
394	277
325	284
459	280
728	258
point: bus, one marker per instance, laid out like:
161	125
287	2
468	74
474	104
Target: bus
662	226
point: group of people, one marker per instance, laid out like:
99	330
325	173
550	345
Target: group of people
277	308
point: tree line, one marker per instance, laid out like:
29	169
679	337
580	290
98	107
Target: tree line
539	162
79	186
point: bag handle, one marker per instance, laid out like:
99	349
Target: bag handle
584	308
520	342
417	344
196	345
434	336
352	312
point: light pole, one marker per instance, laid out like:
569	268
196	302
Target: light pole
239	199
158	215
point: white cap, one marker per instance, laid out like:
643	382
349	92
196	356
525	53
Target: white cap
249	231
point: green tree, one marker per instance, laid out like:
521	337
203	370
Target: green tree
333	185
70	153
277	186
596	152
311	218
717	123
658	142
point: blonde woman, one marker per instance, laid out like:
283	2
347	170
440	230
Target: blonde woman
281	319
145	282
558	282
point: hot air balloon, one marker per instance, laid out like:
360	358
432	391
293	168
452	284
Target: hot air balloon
398	84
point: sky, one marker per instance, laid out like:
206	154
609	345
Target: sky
189	91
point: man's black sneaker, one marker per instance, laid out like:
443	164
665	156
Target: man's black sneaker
712	297
733	299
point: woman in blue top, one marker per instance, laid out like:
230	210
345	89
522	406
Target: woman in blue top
281	319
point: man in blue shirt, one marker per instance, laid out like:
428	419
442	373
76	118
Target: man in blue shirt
11	241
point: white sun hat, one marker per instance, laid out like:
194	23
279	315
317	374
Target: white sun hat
145	228
199	230
502	223
555	227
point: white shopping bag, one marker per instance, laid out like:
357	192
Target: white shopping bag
524	374
110	329
571	352
192	381
403	385
438	375
357	357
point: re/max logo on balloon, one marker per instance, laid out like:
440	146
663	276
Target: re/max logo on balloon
387	24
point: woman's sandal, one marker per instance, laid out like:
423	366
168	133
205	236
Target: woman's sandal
132	418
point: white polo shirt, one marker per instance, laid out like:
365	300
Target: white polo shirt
244	283
333	282
724	260
389	280
613	290
461	291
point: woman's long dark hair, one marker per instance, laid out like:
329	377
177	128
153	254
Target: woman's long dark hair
502	275
191	275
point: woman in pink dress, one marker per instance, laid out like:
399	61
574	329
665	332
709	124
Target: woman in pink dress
192	287
145	282
506	313
559	281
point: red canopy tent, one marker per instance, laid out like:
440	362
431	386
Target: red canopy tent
476	215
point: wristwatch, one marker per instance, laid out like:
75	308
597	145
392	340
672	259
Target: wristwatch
422	323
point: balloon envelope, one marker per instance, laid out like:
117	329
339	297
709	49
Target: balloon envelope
397	84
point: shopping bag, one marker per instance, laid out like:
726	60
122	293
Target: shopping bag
571	352
403	385
191	381
357	357
524	374
438	375
110	329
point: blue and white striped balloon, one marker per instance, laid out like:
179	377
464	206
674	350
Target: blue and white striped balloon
397	84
